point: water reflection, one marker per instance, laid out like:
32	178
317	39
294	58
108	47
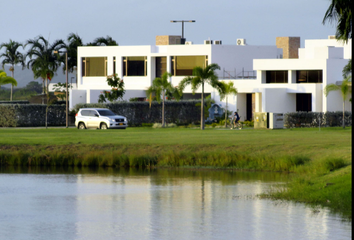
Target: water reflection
74	203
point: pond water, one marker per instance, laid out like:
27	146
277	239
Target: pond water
159	204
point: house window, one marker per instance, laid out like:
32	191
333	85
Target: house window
276	76
94	66
183	65
309	76
134	66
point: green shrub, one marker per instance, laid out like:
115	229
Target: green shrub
8	116
248	123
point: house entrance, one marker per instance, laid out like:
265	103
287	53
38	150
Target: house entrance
303	102
250	106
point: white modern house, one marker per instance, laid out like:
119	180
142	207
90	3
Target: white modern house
296	82
280	78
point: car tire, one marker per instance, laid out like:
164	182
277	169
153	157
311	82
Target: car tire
81	126
103	126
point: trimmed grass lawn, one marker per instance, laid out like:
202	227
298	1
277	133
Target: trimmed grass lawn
312	142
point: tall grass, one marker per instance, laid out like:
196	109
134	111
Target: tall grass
145	158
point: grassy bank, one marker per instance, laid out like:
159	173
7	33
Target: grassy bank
320	159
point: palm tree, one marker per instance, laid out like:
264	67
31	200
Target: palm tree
341	12
74	41
201	76
43	61
12	56
4	79
347	70
161	86
344	88
229	89
101	41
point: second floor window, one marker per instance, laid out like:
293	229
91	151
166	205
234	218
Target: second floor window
94	66
134	66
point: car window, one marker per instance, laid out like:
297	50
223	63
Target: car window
92	113
106	112
85	113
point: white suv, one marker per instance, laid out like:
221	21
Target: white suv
102	118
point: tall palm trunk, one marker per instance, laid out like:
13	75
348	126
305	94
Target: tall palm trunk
226	113
43	87
343	114
12	75
163	109
202	109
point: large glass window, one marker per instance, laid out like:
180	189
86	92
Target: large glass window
134	66
276	76
94	66
309	76
183	65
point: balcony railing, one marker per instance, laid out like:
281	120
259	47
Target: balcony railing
239	75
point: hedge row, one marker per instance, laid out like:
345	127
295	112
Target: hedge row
137	113
31	115
182	112
316	119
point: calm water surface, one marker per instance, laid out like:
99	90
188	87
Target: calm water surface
159	204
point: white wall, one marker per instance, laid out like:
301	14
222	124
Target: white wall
231	57
315	43
76	96
279	100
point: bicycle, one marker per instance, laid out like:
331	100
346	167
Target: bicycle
238	125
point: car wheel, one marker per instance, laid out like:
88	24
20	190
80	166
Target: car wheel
103	126
82	126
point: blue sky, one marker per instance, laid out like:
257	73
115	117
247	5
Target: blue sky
137	22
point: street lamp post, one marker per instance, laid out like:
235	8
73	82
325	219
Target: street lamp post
66	94
182	21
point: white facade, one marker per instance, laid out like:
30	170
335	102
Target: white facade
231	59
237	63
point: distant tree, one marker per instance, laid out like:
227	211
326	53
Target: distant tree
229	89
43	61
340	11
34	86
117	91
200	77
101	41
345	89
161	86
12	56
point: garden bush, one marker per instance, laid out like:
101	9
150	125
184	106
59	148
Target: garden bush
316	119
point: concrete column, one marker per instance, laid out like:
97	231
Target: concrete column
258	102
